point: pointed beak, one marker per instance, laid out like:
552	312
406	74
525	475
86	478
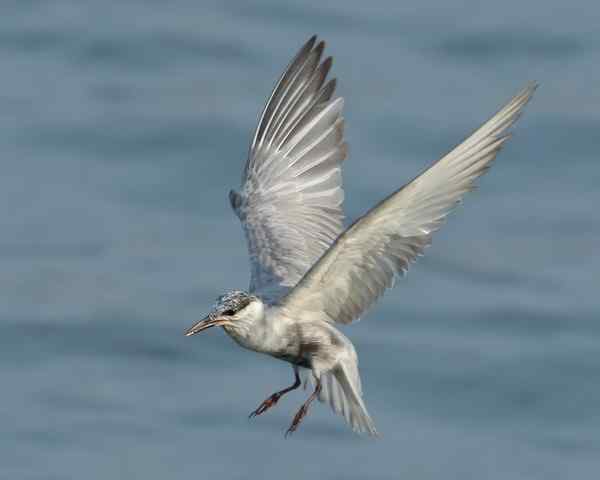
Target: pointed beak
207	322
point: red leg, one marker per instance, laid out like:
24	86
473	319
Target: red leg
273	399
303	409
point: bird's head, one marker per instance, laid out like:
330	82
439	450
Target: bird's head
229	311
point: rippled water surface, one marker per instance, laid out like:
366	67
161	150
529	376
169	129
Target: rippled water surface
123	125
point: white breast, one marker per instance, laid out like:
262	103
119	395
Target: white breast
265	330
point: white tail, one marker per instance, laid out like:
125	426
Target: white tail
341	389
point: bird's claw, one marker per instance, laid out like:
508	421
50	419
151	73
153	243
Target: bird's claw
264	406
297	420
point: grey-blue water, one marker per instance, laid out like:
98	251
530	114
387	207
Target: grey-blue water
123	124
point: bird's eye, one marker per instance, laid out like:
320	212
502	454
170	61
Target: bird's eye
229	313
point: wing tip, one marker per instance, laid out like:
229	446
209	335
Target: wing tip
320	46
309	44
235	199
532	85
515	106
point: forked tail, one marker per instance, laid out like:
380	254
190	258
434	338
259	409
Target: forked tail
341	389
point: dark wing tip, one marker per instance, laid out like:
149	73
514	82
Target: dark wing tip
320	46
326	65
235	199
310	43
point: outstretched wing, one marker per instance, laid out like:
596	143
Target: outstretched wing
367	257
290	202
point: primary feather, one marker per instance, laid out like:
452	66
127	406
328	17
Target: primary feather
290	202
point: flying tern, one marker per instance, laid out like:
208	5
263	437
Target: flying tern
308	273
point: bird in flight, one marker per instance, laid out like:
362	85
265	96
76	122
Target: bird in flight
308	273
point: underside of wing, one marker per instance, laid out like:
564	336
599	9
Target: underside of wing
381	245
290	201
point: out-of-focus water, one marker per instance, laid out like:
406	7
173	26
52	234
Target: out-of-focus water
123	124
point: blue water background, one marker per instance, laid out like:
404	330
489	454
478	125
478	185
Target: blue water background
123	124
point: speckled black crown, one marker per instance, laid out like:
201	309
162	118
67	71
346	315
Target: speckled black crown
233	301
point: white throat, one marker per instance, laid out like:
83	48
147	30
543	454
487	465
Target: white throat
245	328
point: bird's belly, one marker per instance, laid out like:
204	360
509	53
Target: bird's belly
294	359
273	342
286	349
